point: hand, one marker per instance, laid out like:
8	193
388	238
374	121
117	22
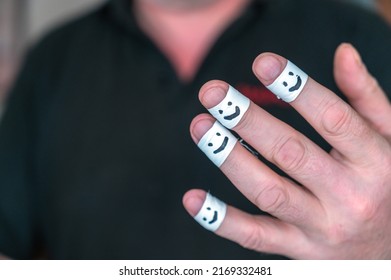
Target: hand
341	208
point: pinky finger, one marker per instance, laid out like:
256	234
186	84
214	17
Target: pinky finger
256	232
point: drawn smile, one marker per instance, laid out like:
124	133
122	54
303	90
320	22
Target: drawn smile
214	218
234	115
297	86
222	147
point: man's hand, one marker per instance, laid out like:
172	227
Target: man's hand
341	208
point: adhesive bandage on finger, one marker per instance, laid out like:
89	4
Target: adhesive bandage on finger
290	83
231	109
212	213
217	143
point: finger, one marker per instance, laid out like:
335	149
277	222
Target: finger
276	141
333	118
361	88
260	233
262	186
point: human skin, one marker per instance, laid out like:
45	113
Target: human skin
342	207
384	8
185	31
180	4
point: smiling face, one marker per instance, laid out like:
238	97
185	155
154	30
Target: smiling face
293	82
212	213
290	83
217	143
211	218
231	109
221	147
230	115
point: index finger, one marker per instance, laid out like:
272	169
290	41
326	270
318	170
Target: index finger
332	117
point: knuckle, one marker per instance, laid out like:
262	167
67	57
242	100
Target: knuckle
254	239
337	118
364	209
290	154
272	199
362	212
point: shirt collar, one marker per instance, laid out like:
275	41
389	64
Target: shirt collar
121	12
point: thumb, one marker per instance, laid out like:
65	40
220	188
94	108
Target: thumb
361	88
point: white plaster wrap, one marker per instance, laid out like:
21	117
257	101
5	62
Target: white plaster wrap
217	143
290	83
231	109
212	213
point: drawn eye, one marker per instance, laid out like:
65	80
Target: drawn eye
290	73
229	103
208	208
285	84
211	144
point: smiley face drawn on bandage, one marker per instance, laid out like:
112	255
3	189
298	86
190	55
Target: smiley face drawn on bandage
233	115
231	109
217	143
213	218
294	80
222	146
290	83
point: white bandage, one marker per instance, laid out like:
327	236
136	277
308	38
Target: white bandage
290	83
231	109
212	213
217	143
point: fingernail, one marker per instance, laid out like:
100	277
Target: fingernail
268	68
193	201
200	127
356	56
213	96
212	213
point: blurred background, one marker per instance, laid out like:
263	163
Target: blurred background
22	22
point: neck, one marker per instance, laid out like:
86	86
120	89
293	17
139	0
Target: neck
184	32
384	8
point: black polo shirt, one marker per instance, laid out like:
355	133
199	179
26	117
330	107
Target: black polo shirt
95	152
